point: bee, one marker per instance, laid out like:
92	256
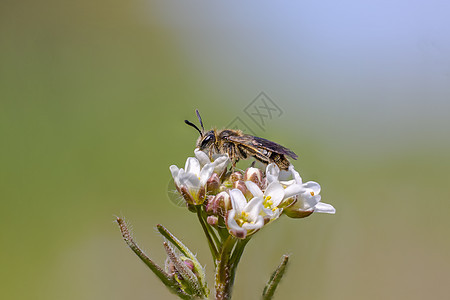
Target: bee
239	145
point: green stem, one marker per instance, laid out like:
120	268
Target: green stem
236	257
211	244
224	276
239	251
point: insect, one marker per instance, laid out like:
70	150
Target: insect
239	145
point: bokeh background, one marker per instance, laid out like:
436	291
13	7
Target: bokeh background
93	95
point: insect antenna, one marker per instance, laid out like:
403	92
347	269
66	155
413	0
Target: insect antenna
193	125
200	119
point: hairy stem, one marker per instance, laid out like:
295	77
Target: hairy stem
224	270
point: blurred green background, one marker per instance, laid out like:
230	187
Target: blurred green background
93	95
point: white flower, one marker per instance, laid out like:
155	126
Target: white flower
244	218
220	161
271	198
191	181
307	201
290	185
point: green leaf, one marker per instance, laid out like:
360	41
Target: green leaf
275	279
168	281
185	277
200	272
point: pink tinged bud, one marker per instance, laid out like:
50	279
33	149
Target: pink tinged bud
235	177
243	188
240	185
226	203
210	202
219	204
213	184
212	220
255	175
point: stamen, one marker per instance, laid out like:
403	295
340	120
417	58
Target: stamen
312	193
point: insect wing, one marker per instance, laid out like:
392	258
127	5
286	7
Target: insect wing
256	144
272	146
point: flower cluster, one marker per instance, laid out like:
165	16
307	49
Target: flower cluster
242	202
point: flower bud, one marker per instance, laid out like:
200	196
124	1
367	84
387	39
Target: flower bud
213	184
240	185
255	175
235	177
218	204
212	220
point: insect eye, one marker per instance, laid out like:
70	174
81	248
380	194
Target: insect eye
206	140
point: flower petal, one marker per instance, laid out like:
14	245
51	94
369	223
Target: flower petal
285	175
272	172
238	201
309	201
233	227
259	222
253	208
273	214
206	173
296	175
324	208
276	192
312	185
174	170
254	189
192	166
221	163
189	180
202	157
292	190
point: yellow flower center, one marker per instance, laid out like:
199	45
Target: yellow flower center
312	193
243	219
268	203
